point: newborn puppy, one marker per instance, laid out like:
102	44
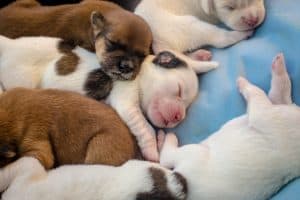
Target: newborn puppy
60	128
251	156
92	24
26	179
163	90
186	25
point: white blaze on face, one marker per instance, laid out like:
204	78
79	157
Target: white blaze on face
240	15
167	93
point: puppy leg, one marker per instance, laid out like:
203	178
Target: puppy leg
168	149
260	108
103	149
24	166
192	34
280	92
197	66
41	150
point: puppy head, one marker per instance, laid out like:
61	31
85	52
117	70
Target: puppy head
122	41
239	15
168	87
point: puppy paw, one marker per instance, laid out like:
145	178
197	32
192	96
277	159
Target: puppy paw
160	139
242	83
278	65
242	35
171	139
201	55
150	153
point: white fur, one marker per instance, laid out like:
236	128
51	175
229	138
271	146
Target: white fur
30	62
251	156
184	25
26	179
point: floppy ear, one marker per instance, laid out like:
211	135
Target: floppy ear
207	6
98	23
167	59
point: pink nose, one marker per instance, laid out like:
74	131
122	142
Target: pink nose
177	117
250	21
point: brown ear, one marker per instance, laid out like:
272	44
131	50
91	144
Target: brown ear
98	23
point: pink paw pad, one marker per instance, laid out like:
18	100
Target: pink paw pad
201	55
278	65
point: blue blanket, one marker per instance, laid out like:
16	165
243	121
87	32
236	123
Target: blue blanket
219	99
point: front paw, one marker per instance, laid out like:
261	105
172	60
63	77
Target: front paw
150	153
242	35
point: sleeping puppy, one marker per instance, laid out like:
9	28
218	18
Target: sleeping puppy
26	179
163	90
251	156
186	25
92	24
60	128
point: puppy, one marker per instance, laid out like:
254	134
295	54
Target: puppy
26	179
59	128
186	25
163	90
251	156
92	24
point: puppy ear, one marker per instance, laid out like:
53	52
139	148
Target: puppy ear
207	6
98	23
167	59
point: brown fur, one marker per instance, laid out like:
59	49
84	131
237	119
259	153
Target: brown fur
72	22
60	127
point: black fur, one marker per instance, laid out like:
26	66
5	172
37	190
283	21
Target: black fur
160	190
168	60
98	85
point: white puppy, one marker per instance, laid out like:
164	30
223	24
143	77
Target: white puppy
185	25
163	89
26	179
251	156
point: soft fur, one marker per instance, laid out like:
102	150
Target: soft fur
185	25
92	24
135	180
251	156
163	89
58	127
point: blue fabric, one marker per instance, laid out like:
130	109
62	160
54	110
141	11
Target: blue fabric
219	99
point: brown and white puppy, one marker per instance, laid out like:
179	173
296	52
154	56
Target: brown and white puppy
91	24
59	127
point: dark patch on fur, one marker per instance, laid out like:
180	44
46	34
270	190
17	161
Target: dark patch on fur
8	154
168	60
182	182
98	85
160	190
69	61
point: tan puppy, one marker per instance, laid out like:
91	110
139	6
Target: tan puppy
59	127
92	24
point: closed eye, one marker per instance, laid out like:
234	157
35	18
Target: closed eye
179	94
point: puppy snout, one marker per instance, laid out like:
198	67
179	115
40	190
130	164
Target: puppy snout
250	21
177	117
126	66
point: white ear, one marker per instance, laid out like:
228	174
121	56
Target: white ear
207	6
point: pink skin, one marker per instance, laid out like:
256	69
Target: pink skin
166	112
250	21
278	65
201	55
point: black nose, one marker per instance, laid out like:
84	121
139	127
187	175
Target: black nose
126	66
